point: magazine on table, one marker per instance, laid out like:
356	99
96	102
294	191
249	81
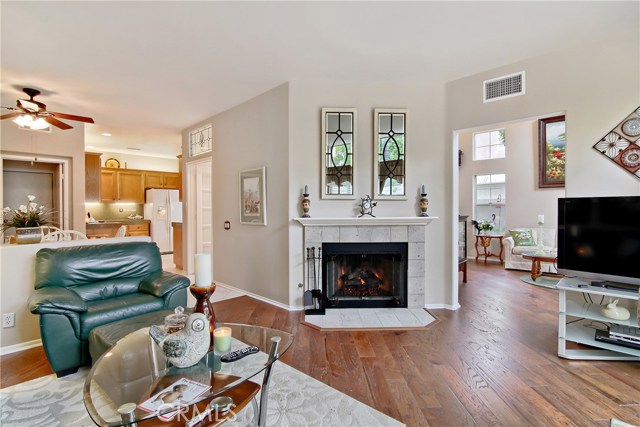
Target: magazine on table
181	393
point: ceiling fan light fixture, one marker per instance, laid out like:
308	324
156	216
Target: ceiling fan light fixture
28	121
39	124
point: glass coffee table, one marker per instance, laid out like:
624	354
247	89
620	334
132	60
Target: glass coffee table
135	369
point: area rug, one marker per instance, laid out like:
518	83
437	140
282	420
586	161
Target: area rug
542	281
295	399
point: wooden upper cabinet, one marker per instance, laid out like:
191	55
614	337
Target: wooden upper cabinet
108	189
130	186
167	180
92	177
171	180
153	180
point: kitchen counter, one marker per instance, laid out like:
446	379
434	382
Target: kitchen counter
108	228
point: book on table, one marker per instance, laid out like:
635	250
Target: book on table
179	394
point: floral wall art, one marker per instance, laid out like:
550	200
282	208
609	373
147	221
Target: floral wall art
552	152
622	144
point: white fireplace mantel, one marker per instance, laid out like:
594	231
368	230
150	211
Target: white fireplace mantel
351	221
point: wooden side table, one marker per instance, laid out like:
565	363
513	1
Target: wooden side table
484	240
536	269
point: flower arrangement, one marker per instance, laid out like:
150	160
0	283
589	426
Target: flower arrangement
486	225
29	215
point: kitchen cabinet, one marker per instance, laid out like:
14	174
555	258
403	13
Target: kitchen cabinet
92	177
138	229
165	180
109	229
122	186
177	244
108	182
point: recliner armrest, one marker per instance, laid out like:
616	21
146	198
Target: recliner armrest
55	300
163	282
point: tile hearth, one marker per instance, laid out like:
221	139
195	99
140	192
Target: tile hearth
367	318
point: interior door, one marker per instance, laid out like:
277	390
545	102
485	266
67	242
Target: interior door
200	210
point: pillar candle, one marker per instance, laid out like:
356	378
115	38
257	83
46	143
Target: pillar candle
203	270
222	339
540	219
423	192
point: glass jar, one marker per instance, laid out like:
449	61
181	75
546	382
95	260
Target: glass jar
176	321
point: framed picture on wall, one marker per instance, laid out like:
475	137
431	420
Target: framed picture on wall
253	196
552	146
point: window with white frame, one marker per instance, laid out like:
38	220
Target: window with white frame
489	145
490	199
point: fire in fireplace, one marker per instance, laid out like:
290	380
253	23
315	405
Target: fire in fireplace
364	275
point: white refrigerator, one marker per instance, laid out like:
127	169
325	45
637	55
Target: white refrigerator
162	207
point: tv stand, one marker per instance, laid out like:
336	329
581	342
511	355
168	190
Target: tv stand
572	306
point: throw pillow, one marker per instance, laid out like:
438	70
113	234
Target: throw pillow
522	237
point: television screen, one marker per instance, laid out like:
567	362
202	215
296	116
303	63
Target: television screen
601	236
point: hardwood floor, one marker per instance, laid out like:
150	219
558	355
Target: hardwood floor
492	362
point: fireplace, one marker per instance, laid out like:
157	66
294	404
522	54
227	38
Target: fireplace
364	275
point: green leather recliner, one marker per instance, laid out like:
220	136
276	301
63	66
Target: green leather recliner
82	287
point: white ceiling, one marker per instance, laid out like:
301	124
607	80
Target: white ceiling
146	70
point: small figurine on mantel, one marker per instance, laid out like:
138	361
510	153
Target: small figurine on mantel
306	203
366	206
424	202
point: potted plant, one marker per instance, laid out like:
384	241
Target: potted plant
27	220
485	226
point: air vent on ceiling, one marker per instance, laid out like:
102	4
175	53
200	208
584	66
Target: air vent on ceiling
504	87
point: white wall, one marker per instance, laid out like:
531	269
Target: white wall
251	135
133	161
582	82
426	159
524	200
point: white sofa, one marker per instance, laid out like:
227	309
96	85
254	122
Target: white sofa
513	259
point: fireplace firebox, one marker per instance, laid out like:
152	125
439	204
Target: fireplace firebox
364	275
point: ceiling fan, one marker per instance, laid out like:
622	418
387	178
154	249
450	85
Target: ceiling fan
33	114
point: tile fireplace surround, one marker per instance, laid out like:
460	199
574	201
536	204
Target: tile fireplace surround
411	230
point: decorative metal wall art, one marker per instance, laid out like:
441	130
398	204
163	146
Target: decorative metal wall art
389	163
338	140
622	144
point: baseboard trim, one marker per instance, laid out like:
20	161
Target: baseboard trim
259	297
442	306
19	347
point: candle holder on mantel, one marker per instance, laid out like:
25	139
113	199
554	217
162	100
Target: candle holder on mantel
423	203
204	306
306	204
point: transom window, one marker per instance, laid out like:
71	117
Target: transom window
200	141
489	145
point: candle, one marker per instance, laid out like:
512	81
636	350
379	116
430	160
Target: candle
423	192
222	339
540	219
203	270
306	190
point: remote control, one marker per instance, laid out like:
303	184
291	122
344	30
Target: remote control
239	354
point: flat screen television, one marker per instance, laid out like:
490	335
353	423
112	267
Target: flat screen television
599	238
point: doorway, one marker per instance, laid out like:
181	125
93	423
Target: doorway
199	210
43	179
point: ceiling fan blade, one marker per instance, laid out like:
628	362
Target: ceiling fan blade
57	123
10	115
72	117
